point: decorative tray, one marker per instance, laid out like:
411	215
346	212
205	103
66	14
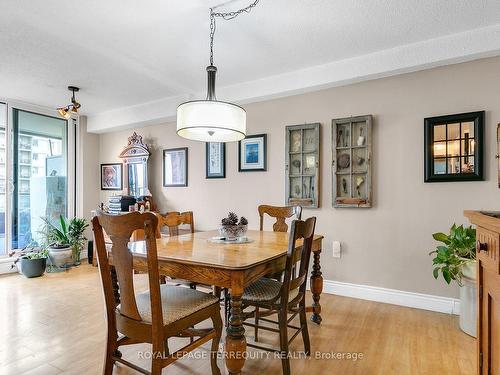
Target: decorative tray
226	240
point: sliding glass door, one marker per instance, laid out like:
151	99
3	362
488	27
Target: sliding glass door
39	174
3	178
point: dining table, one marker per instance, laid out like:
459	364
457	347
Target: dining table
233	265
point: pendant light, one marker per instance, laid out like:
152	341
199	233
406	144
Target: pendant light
211	120
72	108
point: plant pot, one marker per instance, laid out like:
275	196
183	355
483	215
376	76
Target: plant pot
61	256
469	269
32	267
468	306
233	232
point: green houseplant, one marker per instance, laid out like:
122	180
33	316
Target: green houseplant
77	239
455	259
31	261
456	256
64	240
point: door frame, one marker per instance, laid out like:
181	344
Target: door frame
71	125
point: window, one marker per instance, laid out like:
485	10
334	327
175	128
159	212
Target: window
454	147
40	178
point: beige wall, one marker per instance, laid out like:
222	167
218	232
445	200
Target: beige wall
386	245
87	168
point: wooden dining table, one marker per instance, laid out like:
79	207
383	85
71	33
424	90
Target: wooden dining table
229	265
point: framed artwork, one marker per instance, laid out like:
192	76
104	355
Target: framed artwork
111	176
175	167
453	147
352	162
252	153
302	165
215	160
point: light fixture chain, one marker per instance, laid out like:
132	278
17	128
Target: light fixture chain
225	16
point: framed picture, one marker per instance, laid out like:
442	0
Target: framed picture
175	167
252	152
111	176
454	147
215	160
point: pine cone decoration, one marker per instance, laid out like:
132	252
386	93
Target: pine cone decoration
226	221
233	218
243	221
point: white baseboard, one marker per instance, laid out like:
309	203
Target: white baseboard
5	266
396	297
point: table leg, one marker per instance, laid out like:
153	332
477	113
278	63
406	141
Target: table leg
236	344
316	287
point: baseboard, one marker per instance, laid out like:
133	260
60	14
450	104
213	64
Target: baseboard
396	297
5	266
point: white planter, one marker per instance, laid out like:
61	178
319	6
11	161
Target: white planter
468	306
469	269
61	257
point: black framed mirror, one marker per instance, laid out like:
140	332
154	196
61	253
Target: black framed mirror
453	147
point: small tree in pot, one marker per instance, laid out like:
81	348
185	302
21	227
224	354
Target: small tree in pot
77	239
456	260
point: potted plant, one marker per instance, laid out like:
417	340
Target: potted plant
455	259
64	241
231	229
30	261
77	239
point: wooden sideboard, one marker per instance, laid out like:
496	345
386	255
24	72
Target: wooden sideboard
488	284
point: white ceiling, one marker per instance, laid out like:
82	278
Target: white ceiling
135	61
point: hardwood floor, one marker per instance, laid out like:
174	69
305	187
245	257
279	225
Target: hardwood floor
55	325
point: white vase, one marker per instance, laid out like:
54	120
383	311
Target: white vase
61	257
468	306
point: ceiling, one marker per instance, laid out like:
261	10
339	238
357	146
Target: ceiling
130	57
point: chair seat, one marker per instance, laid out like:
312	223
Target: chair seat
177	303
265	290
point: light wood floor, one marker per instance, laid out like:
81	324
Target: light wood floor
55	325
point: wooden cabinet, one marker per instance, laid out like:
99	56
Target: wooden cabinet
488	276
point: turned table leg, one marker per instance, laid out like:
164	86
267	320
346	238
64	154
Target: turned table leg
235	339
316	287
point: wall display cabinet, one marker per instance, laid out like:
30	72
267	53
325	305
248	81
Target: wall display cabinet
351	161
302	165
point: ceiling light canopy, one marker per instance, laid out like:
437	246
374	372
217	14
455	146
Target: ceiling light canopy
72	108
211	120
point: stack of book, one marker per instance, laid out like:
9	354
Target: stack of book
115	205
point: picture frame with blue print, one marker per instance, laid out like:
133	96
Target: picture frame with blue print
252	153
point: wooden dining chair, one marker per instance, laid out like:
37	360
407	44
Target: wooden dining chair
153	316
173	220
287	297
281	214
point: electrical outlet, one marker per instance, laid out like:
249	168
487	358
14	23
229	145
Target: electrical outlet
337	250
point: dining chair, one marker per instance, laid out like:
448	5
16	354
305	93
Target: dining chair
153	316
173	220
287	297
281	214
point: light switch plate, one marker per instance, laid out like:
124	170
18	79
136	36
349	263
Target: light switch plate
337	249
